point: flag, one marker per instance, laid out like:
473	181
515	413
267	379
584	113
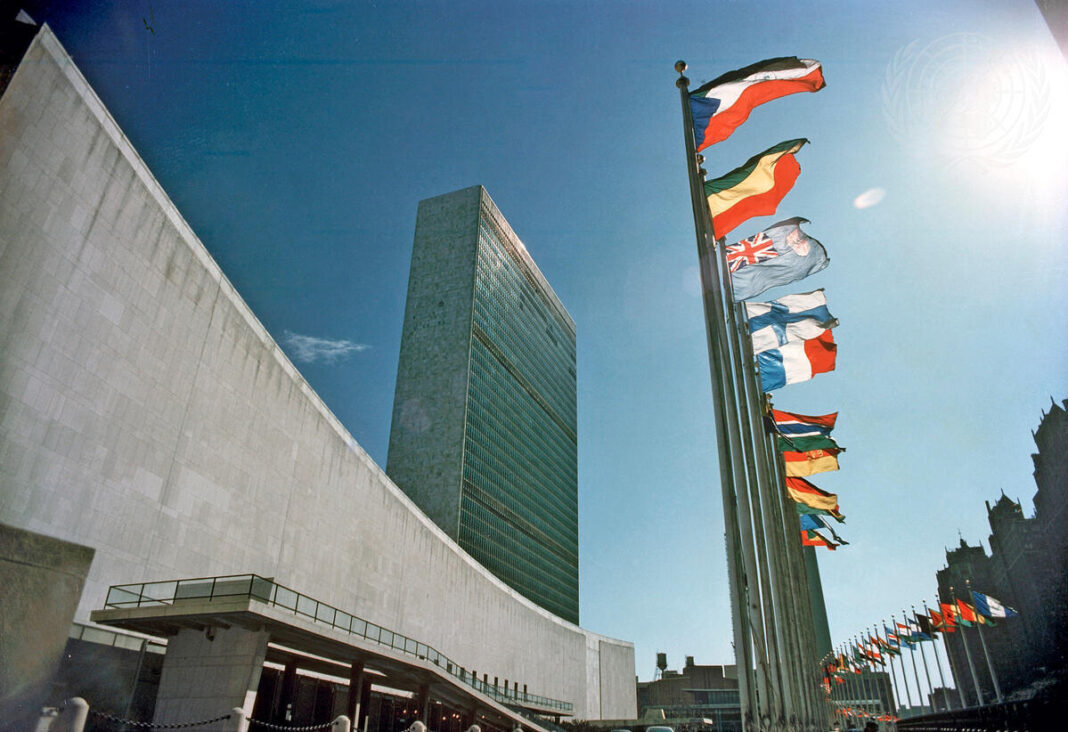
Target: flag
797	361
966	614
815	538
790	424
754	189
922	628
779	255
804	510
791	318
803	492
724	103
800	444
991	607
813	522
810	462
942	622
891	636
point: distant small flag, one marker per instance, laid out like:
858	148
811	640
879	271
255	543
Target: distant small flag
791	318
942	622
810	462
724	103
991	607
922	628
791	424
791	256
797	361
966	614
753	189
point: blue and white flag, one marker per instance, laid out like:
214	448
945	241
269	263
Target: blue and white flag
778	255
814	522
991	607
791	318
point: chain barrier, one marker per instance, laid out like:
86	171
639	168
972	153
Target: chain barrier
308	728
150	725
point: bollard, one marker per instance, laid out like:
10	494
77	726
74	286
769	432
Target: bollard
73	714
341	724
237	722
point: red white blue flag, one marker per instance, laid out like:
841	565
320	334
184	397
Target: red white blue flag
796	361
724	103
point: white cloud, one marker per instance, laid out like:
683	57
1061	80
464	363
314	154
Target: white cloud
869	198
309	349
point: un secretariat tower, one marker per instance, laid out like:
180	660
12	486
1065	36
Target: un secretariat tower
483	433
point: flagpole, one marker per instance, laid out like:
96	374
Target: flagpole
875	678
752	506
938	661
896	685
751	696
795	563
801	606
989	665
912	655
904	672
958	679
787	649
926	671
967	653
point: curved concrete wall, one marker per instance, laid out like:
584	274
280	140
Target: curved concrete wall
145	412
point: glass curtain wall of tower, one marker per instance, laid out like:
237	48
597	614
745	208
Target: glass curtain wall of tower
519	504
484	419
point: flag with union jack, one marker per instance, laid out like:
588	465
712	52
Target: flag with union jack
779	255
756	248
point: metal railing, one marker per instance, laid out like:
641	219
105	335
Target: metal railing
261	589
118	639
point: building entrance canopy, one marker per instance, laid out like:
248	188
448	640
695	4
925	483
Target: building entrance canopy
258	604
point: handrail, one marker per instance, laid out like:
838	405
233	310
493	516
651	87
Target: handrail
267	591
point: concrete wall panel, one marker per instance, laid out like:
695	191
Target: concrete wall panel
146	413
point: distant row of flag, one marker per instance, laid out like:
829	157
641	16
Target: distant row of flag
792	336
868	652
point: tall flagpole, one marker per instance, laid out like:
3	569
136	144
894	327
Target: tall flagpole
958	678
895	686
754	554
749	696
915	669
926	672
904	673
989	665
938	661
968	655
787	651
801	606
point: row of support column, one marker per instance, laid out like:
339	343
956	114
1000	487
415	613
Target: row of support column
215	669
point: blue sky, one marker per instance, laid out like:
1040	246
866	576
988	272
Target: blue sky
298	138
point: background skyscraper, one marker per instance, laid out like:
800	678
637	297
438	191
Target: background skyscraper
483	436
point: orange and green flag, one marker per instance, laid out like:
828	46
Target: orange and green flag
753	189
